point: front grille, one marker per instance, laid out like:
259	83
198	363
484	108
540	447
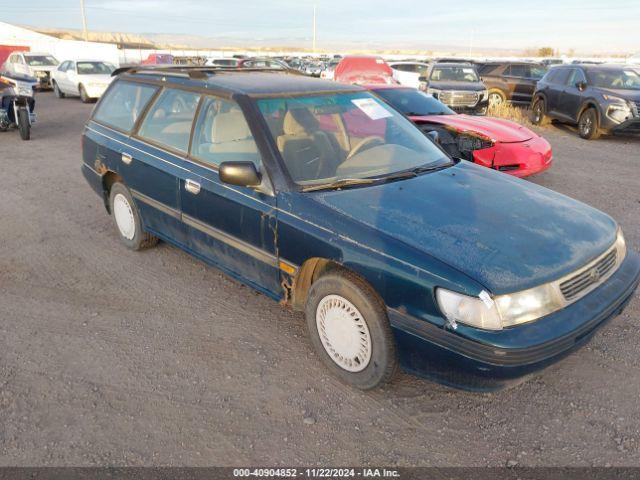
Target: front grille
455	98
588	278
637	109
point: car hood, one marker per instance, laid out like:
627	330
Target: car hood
102	79
506	233
495	128
633	95
469	86
46	68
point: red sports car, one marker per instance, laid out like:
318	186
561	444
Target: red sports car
493	142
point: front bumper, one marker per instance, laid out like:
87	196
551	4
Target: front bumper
483	360
95	91
630	127
478	109
519	159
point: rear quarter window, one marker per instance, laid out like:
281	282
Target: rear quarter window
123	104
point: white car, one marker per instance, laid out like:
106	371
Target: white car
87	79
409	73
38	65
222	62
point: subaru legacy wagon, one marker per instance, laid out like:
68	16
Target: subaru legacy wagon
325	198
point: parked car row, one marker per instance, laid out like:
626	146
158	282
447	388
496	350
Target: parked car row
326	197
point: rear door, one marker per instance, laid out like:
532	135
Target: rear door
148	170
231	226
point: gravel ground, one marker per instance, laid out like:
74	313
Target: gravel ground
111	357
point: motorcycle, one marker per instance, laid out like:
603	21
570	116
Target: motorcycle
17	103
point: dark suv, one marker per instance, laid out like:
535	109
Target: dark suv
510	81
596	98
458	86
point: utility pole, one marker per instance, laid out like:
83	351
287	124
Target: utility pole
314	29
84	21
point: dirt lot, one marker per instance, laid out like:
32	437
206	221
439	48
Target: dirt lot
113	357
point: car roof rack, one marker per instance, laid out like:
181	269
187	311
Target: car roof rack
196	71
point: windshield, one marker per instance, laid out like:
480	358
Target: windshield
626	79
459	73
95	68
413	102
327	138
40	60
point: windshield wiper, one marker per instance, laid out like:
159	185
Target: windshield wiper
344	182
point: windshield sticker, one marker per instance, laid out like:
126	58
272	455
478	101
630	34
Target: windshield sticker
371	108
467	70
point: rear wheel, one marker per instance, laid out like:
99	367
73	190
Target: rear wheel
23	124
349	329
588	127
539	112
57	91
83	95
127	219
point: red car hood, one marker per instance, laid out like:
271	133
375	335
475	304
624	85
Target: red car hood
495	128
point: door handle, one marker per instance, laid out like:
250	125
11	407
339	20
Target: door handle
192	187
126	158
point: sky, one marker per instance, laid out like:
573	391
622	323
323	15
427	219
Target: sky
582	25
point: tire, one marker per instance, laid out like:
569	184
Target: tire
349	329
588	125
539	112
57	91
127	219
496	97
23	124
83	95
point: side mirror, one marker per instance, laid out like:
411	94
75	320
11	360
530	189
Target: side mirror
243	174
581	85
423	79
433	136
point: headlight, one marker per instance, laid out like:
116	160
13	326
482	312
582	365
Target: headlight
514	308
468	310
619	112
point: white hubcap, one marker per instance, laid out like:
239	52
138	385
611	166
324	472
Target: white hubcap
124	216
344	333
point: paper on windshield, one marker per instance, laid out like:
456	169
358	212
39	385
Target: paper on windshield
371	108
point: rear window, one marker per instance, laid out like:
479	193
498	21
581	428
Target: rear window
170	118
123	104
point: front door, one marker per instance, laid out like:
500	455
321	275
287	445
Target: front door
572	97
233	227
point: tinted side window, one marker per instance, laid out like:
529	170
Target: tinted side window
222	134
123	104
170	118
518	71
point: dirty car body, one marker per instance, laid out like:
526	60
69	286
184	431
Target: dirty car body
491	142
334	180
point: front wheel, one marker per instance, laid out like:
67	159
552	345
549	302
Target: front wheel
23	124
127	219
83	95
496	98
539	112
349	329
588	124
